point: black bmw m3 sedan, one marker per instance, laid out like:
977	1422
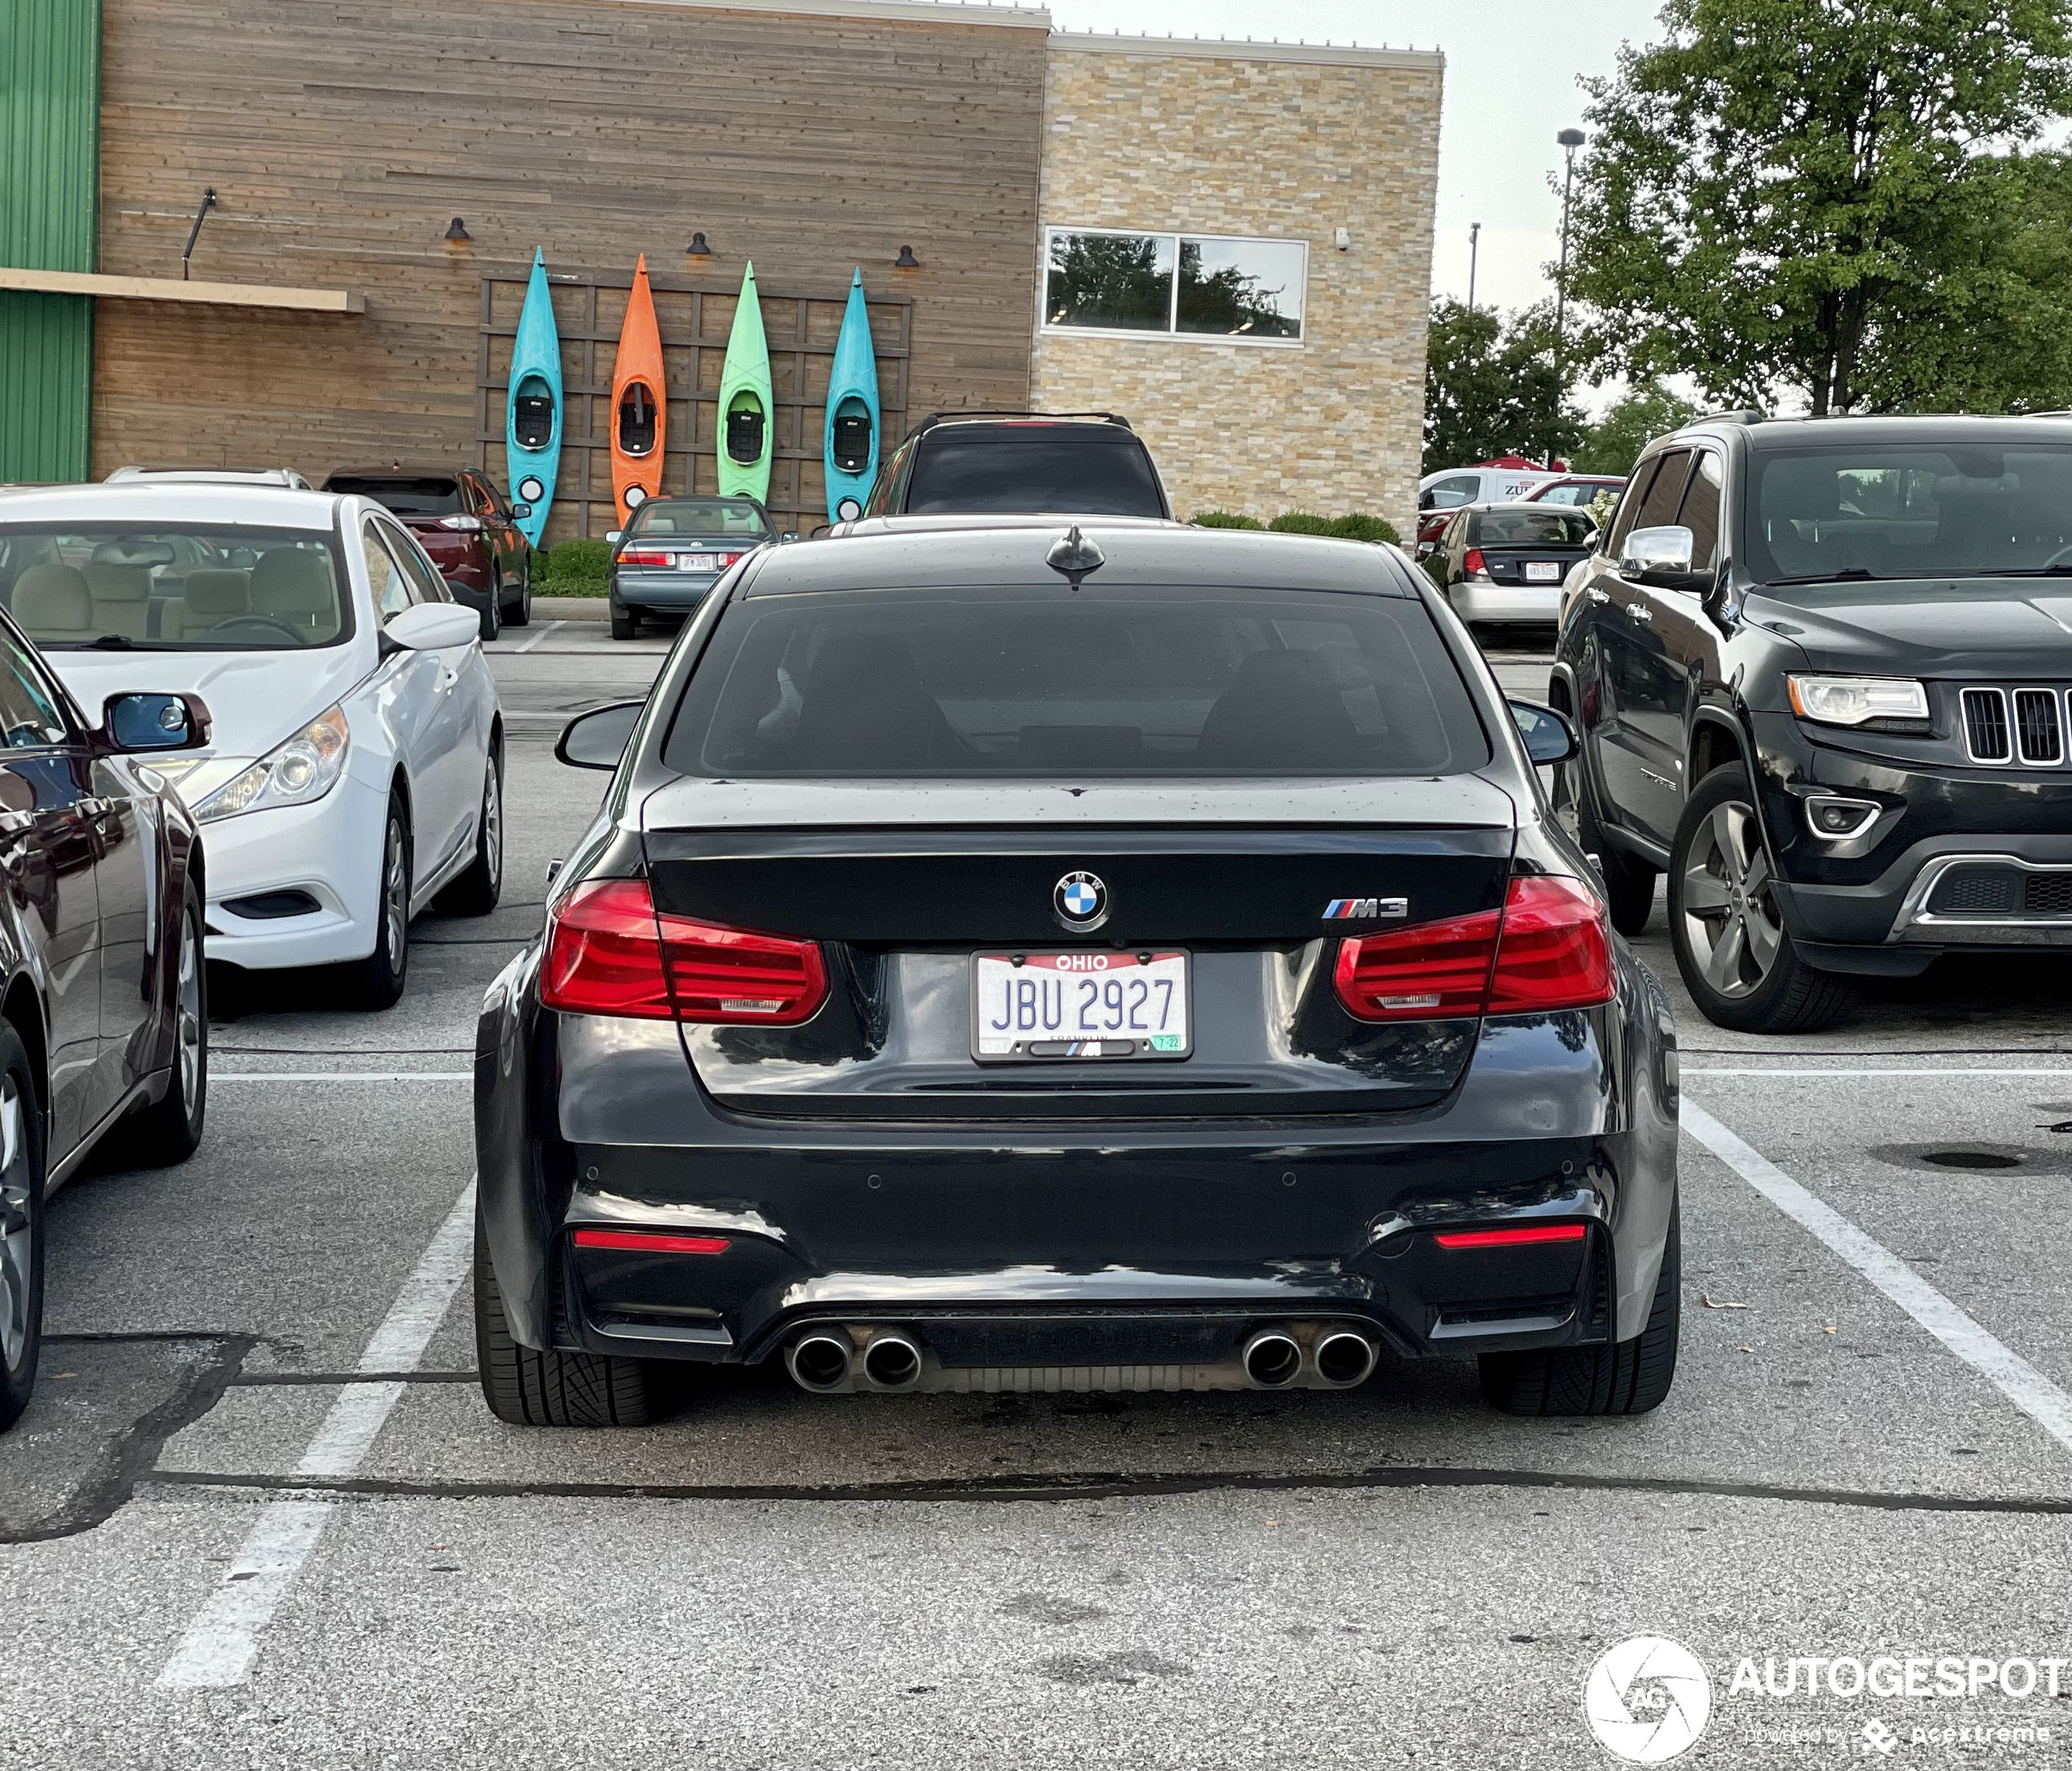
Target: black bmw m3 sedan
1020	959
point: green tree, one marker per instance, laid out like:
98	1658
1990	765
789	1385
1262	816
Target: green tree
1799	194
1633	420
1492	388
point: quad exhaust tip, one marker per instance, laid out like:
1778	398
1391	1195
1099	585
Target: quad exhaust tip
1273	1359
1345	1358
892	1362
820	1361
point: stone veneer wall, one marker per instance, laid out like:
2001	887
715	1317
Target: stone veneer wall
1290	143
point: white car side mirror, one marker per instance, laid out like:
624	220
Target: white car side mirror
433	627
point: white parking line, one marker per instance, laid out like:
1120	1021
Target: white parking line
221	1642
1709	1070
2005	1369
536	638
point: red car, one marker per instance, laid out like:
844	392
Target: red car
463	522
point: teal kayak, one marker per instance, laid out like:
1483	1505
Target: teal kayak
532	424
851	440
746	434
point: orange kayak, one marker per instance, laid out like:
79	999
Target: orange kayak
640	399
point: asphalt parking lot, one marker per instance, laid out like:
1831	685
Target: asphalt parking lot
258	1515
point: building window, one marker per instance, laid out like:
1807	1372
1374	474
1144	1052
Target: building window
1165	285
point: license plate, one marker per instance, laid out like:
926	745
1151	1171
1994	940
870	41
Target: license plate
1543	572
1080	1005
699	562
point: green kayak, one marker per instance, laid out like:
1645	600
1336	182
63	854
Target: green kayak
746	439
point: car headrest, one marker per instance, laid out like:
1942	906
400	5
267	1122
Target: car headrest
119	583
215	592
53	600
292	581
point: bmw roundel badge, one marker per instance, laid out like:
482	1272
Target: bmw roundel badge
1082	901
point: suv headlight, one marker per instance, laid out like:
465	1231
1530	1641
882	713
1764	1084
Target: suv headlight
304	767
1855	701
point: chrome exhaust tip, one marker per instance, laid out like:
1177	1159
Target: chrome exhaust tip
1272	1359
1345	1358
819	1361
893	1362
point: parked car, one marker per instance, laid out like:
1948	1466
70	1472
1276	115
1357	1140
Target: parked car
1506	562
104	1024
1292	1032
1004	463
673	551
465	527
354	770
1580	489
1821	670
1439	494
220	476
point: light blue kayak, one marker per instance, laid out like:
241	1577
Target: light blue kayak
532	425
851	440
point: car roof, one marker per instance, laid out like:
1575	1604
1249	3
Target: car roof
1869	433
406	471
1056	521
175	501
1139	551
1007	430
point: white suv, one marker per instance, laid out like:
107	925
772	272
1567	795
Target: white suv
354	771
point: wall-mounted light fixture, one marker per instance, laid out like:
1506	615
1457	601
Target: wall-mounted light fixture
1343	239
456	229
194	233
697	248
906	261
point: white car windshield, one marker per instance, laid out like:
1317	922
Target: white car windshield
185	587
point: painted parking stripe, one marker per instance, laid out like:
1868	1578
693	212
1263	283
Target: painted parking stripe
222	1641
1950	1069
340	1076
549	628
2000	1365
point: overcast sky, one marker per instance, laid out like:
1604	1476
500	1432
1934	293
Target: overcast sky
1511	66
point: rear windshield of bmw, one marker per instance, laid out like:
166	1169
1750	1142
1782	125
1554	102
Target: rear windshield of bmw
1019	682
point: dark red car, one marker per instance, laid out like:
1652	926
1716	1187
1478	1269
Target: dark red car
463	522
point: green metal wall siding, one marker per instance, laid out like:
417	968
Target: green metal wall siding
50	180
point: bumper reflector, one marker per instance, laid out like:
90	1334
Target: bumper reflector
649	1243
1511	1239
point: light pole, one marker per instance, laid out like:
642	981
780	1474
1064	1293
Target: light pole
1474	253
1570	139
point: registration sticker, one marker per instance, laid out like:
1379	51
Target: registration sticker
1105	1004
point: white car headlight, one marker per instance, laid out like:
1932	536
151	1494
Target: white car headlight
1855	701
305	767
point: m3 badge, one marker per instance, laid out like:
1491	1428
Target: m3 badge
1365	910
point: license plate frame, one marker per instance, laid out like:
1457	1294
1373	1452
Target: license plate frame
1543	572
700	561
1123	1044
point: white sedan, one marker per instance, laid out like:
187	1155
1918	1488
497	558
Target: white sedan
354	770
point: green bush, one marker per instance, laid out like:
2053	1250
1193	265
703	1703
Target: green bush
1361	527
1224	520
1302	523
573	568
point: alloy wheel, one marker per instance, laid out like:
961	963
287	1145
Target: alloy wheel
395	898
17	1223
492	827
1730	918
187	1024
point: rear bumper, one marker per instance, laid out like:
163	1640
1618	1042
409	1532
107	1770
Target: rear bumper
1493	601
1071	1244
664	592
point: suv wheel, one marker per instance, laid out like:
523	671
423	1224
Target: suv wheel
520	614
492	615
1738	960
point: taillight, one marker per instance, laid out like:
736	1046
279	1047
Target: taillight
610	952
1548	948
467	525
1474	564
1523	1236
645	557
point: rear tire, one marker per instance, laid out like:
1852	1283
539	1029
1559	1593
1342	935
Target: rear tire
520	614
21	1228
476	892
492	615
1630	1377
625	625
169	1130
376	980
547	1389
1706	864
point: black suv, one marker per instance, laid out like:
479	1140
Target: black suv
1018	463
1822	669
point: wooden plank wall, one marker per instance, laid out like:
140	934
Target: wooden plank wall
342	136
801	327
